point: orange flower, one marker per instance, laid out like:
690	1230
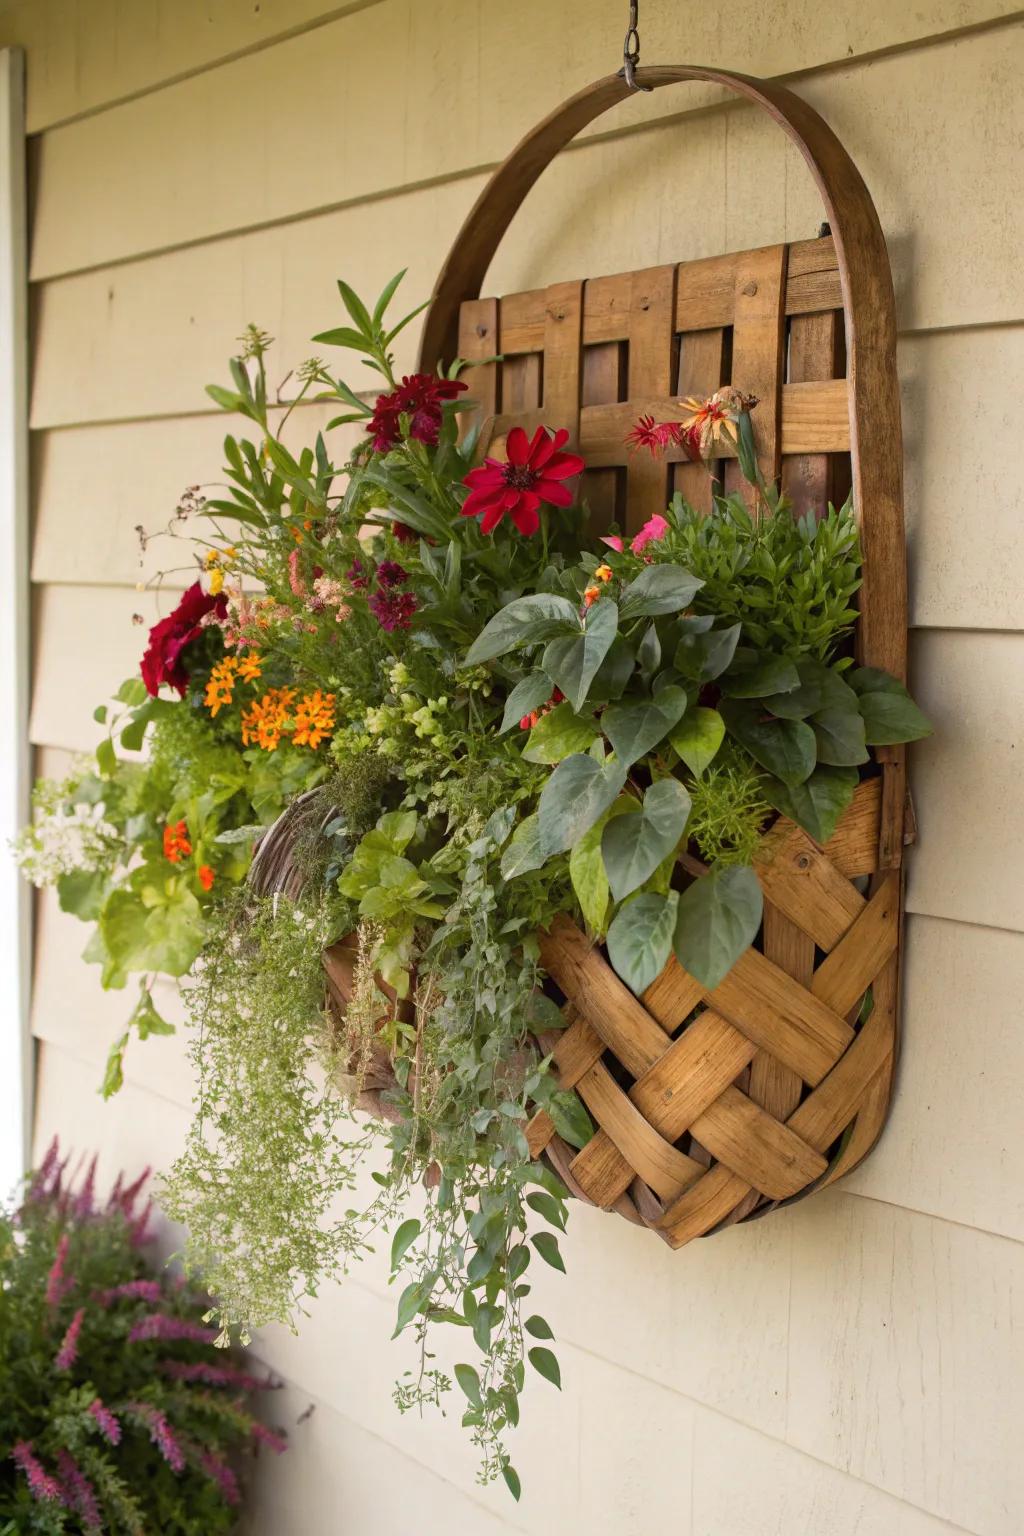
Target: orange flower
249	668
220	686
176	843
266	721
591	595
314	719
603	573
205	876
714	419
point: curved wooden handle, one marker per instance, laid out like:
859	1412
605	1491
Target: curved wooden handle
875	432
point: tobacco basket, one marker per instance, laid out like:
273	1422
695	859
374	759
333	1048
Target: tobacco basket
713	1107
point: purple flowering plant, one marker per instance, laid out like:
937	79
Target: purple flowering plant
117	1414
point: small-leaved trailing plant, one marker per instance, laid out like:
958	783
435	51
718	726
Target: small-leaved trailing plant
495	719
116	1412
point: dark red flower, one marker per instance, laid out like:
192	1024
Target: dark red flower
163	661
534	473
659	435
419	397
393	610
403	533
391	574
356	575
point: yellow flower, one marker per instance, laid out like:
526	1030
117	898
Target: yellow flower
216	582
603	573
314	719
220	685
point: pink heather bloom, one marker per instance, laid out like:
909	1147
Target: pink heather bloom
161	1326
614	542
80	1491
44	1488
131	1290
216	1376
127	1196
68	1352
107	1424
56	1285
265	1436
83	1205
656	527
140	1231
39	1188
221	1474
295	580
161	1434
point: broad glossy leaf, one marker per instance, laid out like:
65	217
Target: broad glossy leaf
614	672
840	737
717	919
786	748
523	852
546	1245
640	939
659	589
772	674
703	657
528	694
649	652
697	738
545	1364
817	804
403	1240
572	661
634	846
524	621
570	1118
634	728
166	937
587	871
560	734
577	794
890	714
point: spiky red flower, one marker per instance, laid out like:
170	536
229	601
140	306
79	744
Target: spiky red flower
419	397
393	610
534	472
659	435
163	661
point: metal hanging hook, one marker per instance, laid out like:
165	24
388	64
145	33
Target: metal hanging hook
631	49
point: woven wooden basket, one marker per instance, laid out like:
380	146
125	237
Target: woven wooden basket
713	1107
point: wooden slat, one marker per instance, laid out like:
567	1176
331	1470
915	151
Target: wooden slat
701	364
673	996
601	1171
693	1072
703	1206
605	1002
654	1158
808	479
575	1050
845	975
478	337
853	846
766	1154
781	1016
772	1085
757	349
651	344
522	379
603	383
562	360
801	881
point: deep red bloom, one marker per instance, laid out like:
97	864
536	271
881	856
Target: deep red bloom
534	473
163	662
659	435
403	533
419	397
391	574
393	610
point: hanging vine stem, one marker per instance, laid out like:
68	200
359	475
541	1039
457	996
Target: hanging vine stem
631	49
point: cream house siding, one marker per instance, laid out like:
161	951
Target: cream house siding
852	1366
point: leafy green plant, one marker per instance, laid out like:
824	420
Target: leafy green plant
492	720
116	1413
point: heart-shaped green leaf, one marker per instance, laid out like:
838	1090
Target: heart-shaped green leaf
659	589
697	738
717	919
890	714
526	620
771	674
559	734
634	846
817	803
640	939
840	737
703	657
786	748
577	794
572	661
523	852
527	695
586	867
633	728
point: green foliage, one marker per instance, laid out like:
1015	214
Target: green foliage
77	1303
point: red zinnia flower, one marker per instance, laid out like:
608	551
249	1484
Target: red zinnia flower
534	473
162	662
176	843
419	397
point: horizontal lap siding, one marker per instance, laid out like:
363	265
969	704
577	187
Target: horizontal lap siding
845	1368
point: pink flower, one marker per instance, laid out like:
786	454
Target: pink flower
79	1490
534	473
39	1188
44	1488
140	1232
216	1376
656	527
106	1423
295	580
614	542
56	1285
131	1290
68	1352
264	1436
222	1475
161	1434
84	1201
159	1325
127	1197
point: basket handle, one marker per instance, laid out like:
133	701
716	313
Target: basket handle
875	434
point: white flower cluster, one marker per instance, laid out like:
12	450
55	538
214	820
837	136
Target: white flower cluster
61	840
